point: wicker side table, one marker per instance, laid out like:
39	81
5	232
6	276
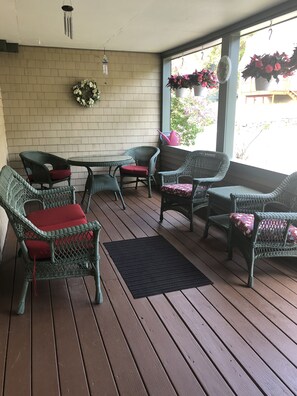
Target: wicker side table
219	205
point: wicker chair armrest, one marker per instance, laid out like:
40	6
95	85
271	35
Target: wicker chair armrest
153	162
55	197
169	177
74	242
37	234
272	228
75	230
282	216
58	162
39	171
206	180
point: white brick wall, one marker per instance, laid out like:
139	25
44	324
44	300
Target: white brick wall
41	113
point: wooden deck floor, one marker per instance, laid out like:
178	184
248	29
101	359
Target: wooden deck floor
223	339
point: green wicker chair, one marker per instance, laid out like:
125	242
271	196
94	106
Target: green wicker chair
56	241
45	169
185	189
143	170
264	225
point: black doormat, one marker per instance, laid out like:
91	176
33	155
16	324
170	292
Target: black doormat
151	266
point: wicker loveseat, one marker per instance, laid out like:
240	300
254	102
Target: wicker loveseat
56	241
265	225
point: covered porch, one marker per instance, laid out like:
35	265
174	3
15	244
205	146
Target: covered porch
221	339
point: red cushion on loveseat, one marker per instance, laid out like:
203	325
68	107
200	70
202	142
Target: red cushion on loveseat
63	214
60	174
137	170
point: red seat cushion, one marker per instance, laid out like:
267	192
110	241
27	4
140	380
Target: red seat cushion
63	214
183	190
245	223
54	219
60	174
40	250
136	170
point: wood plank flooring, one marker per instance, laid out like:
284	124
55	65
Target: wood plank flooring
221	339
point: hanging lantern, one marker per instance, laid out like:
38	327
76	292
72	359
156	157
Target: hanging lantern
105	64
68	29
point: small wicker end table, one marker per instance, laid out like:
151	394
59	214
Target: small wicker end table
219	205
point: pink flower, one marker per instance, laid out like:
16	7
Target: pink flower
268	69
259	64
277	66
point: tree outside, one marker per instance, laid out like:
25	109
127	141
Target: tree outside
189	117
192	115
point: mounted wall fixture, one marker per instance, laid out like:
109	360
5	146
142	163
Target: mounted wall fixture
68	27
8	47
105	64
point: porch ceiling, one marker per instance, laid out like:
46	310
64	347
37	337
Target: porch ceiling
130	25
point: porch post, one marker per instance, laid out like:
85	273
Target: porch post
227	97
165	96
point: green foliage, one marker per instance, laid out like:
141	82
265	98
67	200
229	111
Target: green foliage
189	116
213	57
242	47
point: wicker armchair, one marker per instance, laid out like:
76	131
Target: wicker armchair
56	241
143	170
185	189
265	225
35	164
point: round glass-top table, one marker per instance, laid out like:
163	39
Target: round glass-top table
101	182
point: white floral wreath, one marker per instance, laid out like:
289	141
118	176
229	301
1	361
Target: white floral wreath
86	93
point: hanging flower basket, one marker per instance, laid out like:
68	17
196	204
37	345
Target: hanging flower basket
262	84
181	92
178	81
271	66
199	90
86	93
204	78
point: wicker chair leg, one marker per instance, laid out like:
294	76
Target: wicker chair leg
99	295
149	185
161	209
205	233
251	265
191	217
251	281
21	306
229	243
